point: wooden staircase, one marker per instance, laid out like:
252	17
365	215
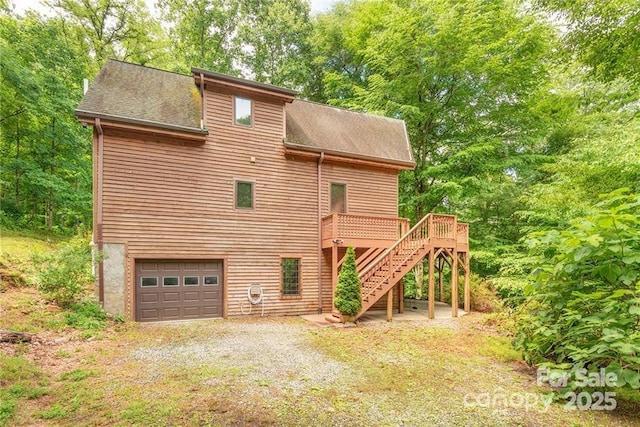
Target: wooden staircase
385	271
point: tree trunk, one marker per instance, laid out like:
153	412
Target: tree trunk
17	183
15	337
418	271
52	155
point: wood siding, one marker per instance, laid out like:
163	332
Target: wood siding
369	192
171	200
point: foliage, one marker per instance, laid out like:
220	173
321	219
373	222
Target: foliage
583	310
605	35
264	40
45	155
120	29
510	290
64	274
348	299
598	152
483	295
86	315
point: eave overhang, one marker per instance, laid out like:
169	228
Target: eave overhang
183	133
344	157
243	85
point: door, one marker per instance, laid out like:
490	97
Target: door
178	289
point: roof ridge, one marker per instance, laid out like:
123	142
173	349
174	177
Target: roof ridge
149	68
347	110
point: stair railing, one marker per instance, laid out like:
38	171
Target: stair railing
412	240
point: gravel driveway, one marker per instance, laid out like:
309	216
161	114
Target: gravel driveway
271	353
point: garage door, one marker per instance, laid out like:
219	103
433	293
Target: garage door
178	289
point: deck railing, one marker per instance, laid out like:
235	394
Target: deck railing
463	233
347	226
442	226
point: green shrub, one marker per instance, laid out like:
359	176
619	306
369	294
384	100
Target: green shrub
510	290
349	290
63	275
483	295
583	310
86	315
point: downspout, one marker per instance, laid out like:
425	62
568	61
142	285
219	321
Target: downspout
98	209
320	160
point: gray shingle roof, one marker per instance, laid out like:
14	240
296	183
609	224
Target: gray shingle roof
143	95
136	94
320	127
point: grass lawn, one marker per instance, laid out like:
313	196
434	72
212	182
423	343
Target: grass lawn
271	371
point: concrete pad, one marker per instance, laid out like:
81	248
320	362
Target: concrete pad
419	313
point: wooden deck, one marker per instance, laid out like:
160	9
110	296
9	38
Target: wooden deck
388	251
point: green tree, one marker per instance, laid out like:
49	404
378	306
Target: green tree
276	34
46	155
466	77
203	33
605	35
262	40
583	309
348	298
121	29
593	148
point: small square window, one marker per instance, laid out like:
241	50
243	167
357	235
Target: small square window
243	111
244	195
290	276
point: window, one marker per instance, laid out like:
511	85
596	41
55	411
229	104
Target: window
290	276
243	111
148	281
244	195
210	280
190	281
170	281
338	198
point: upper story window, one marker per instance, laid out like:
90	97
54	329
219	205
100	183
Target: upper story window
338	198
244	195
243	111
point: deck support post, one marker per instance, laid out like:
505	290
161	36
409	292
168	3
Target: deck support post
467	288
440	278
454	284
432	286
401	296
334	277
390	304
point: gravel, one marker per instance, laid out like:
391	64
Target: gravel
271	354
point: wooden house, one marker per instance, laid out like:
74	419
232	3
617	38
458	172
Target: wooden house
214	194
